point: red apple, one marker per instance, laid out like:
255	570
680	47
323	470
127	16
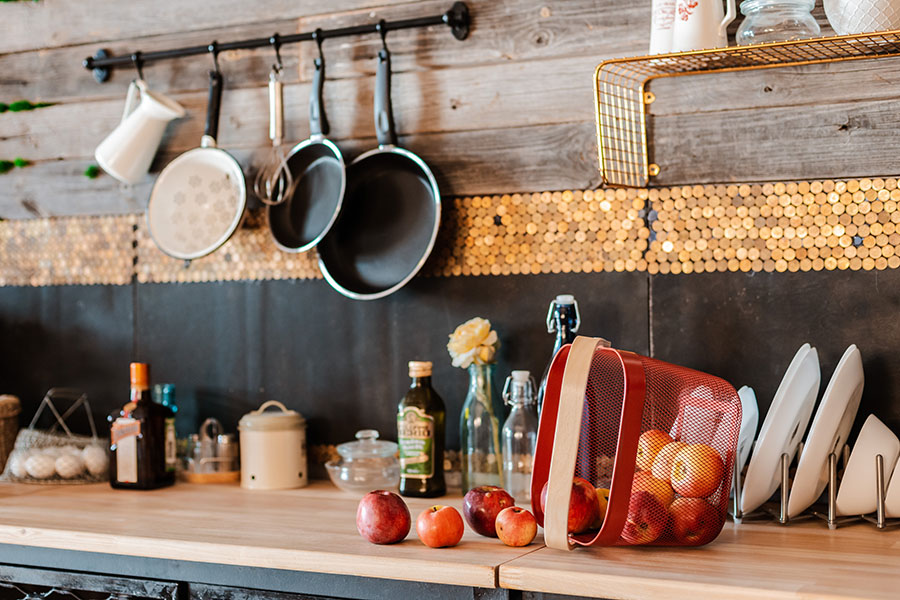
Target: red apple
382	517
695	521
649	445
481	506
583	507
602	503
661	490
697	471
439	526
662	466
516	526
646	519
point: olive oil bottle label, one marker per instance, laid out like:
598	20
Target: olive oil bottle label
415	437
170	444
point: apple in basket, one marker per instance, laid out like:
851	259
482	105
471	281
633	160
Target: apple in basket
661	490
649	445
583	506
602	504
646	519
662	465
382	517
516	526
481	506
697	471
439	526
695	521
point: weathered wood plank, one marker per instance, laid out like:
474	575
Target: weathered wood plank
504	31
833	140
484	97
465	163
54	23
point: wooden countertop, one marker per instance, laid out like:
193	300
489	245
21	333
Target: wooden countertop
752	560
310	529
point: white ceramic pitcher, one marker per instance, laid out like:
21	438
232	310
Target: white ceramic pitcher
127	152
701	24
662	22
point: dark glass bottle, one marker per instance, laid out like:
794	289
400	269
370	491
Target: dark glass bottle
564	320
142	438
421	419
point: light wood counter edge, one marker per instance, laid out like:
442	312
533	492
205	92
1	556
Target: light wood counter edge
621	587
381	567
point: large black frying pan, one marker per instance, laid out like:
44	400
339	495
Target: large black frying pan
391	213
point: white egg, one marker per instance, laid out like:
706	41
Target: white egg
70	450
17	464
51	451
40	466
68	466
96	460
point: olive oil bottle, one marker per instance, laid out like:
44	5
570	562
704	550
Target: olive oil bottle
421	417
142	438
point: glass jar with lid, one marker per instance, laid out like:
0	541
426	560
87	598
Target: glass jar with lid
776	21
365	465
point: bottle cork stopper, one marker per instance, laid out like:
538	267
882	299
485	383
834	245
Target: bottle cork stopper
140	375
420	368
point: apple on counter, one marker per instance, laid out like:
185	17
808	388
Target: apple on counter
583	506
382	517
482	505
516	526
439	526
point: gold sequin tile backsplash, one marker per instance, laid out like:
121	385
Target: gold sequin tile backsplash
797	226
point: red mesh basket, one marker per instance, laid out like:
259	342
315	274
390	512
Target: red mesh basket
660	438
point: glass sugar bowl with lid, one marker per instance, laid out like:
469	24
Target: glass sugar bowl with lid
776	21
365	465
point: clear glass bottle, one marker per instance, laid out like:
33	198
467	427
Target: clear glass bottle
563	319
479	430
421	419
776	21
142	438
519	435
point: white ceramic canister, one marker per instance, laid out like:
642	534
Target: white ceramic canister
273	448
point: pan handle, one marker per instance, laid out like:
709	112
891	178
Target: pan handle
318	122
384	114
212	111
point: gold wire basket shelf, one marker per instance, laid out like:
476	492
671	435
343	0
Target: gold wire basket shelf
621	98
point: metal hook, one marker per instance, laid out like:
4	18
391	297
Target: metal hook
213	49
381	28
319	36
275	41
138	64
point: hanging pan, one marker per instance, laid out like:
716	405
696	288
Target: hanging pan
391	213
312	207
198	200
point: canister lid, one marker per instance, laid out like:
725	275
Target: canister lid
259	420
368	446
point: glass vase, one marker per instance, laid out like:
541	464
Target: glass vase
479	430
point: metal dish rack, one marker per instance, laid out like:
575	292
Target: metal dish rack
621	98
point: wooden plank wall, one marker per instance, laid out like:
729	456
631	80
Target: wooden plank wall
508	110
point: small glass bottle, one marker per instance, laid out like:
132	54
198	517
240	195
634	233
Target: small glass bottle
421	419
142	438
519	435
563	319
479	430
164	393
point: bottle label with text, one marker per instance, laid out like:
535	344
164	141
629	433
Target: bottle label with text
415	437
123	437
170	444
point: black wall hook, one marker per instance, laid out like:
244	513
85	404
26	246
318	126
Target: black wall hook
213	49
319	37
275	41
381	28
138	64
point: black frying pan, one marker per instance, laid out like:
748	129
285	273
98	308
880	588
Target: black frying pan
391	213
309	212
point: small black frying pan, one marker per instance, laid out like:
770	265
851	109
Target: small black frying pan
317	165
391	213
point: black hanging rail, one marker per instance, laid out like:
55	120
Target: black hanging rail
457	18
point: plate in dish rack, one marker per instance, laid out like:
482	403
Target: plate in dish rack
829	431
857	494
783	427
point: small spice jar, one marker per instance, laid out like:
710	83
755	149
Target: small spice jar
273	448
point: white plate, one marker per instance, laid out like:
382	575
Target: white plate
892	498
857	494
829	431
749	423
783	427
